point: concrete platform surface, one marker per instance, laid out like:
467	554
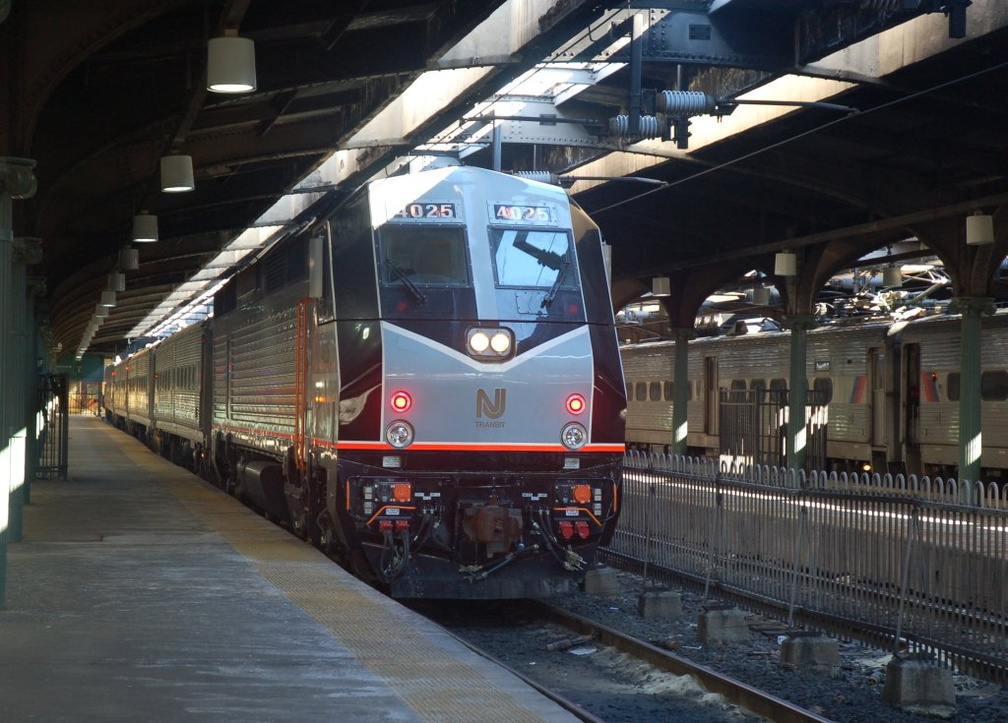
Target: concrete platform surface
141	593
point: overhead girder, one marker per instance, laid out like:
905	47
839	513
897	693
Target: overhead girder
766	35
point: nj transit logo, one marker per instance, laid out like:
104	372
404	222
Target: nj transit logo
492	409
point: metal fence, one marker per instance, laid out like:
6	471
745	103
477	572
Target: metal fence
899	559
52	430
753	426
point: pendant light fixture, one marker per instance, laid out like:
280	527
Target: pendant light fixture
129	258
177	173
786	264
145	228
892	275
231	64
979	229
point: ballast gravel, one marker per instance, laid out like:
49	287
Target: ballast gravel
854	695
619	689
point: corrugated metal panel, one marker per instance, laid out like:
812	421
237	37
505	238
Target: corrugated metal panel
177	384
138	387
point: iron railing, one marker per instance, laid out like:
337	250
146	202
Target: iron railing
900	557
51	427
753	426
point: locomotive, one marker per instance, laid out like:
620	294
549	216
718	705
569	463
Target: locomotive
888	391
425	382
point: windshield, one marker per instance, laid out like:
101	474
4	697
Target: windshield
414	255
536	259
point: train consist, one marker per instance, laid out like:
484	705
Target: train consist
887	392
427	382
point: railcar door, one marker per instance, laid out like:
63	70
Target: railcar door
876	385
911	386
711	392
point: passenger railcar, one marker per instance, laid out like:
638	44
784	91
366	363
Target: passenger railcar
890	390
427	381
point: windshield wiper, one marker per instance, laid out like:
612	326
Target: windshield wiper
549	259
398	272
551	294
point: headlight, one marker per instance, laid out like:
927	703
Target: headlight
479	342
490	344
573	435
399	434
500	342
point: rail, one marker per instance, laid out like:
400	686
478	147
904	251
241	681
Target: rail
899	558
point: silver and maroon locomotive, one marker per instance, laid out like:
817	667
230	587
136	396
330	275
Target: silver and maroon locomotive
427	381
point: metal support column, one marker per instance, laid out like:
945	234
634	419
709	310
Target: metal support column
26	251
17	180
680	390
797	444
970	437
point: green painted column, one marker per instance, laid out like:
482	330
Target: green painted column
970	433
680	390
25	251
797	441
33	357
17	180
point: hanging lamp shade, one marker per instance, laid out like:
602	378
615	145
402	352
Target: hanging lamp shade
761	296
129	258
231	65
100	311
786	264
107	298
892	276
661	286
979	229
117	281
177	173
145	228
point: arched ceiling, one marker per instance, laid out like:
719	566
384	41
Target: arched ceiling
97	92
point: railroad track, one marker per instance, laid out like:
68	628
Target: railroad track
525	626
744	696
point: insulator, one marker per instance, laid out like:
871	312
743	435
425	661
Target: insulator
649	127
541	176
686	102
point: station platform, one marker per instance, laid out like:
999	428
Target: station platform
141	593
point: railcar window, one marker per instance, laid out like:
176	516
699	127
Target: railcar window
423	255
532	258
757	383
778	391
822	388
994	386
654	391
629	392
738	385
668	391
640	391
952	387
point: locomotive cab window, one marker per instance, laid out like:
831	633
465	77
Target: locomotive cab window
535	270
534	259
422	255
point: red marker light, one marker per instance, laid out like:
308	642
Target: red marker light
575	404
401	401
